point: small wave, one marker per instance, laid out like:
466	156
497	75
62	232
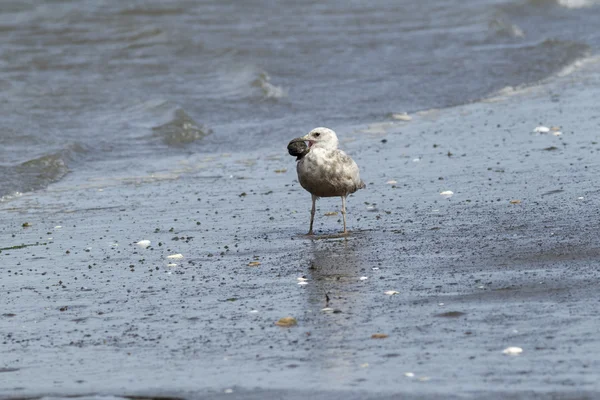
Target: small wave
567	70
269	90
181	130
248	82
502	27
142	11
566	3
36	173
10	196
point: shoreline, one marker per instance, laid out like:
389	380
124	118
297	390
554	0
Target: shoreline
577	66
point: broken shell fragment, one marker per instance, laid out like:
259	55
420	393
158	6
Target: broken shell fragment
143	244
402	117
515	202
253	264
379	336
541	129
175	257
391	292
557	133
512	351
287	322
447	194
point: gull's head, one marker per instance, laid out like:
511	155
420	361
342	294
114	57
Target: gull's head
321	137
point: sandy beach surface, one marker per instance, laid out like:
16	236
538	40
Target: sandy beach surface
511	259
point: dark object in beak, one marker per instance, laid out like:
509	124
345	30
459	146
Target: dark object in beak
298	148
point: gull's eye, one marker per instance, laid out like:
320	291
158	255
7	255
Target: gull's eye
317	134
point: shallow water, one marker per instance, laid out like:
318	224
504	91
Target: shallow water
100	87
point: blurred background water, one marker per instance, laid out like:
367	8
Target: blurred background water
89	84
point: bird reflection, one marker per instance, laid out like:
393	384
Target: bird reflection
334	274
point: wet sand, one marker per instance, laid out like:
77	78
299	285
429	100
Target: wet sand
88	312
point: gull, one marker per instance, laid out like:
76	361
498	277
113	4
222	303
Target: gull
326	171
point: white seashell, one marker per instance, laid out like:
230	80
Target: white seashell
402	117
375	268
391	292
327	309
171	265
557	133
175	257
447	194
512	351
392	182
580	198
303	283
363	278
416	159
541	129
253	311
143	244
57	227
409	374
301	279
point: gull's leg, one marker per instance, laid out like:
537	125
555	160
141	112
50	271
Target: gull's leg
344	212
312	213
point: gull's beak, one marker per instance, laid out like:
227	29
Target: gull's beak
299	139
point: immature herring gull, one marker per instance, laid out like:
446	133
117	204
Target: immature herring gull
326	171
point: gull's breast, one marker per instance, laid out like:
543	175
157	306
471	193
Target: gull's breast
328	173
